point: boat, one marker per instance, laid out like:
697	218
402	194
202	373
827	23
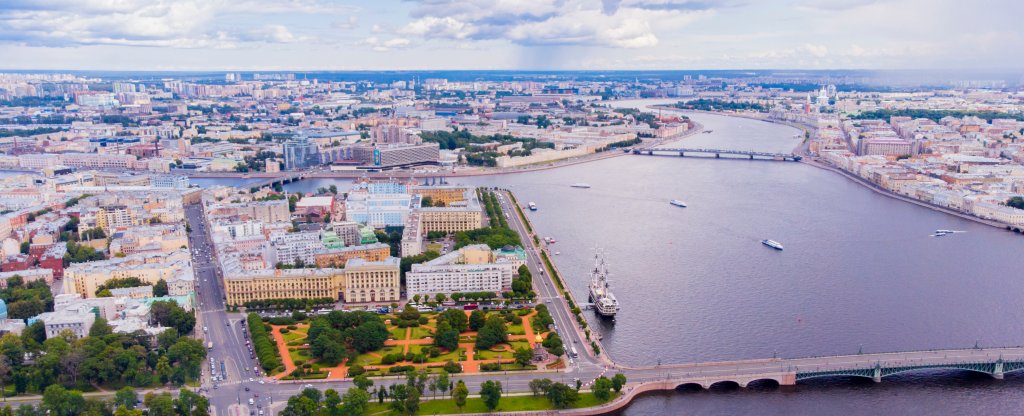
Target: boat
533	207
943	231
580	185
601	294
772	243
677	203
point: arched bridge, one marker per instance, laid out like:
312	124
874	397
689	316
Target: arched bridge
283	178
992	361
683	152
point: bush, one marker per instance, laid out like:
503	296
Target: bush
490	367
401	368
424	320
452	367
284	330
356	370
292	327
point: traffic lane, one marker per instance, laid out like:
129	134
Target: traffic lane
564	319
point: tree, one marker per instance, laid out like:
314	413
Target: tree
356	401
602	388
405	399
523	356
440	298
460	393
441	382
362	382
191	404
100	328
5	371
454	317
493	332
60	402
446	337
540	385
1016	202
160	288
562	396
126	397
490	392
477	320
618	381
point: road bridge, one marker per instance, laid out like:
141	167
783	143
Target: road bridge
779	371
283	178
683	152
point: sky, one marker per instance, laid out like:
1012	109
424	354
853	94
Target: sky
342	35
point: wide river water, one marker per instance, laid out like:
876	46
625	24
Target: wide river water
860	271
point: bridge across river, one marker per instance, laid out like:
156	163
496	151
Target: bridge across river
282	178
992	361
682	152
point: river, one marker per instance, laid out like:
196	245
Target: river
859	272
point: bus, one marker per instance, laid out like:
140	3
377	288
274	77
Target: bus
573	349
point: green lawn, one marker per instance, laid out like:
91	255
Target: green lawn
366	359
299	354
476	405
493	355
516	329
454	355
421	332
295	335
434	247
398	334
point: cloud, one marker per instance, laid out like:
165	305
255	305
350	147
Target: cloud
384	45
272	34
610	23
154	23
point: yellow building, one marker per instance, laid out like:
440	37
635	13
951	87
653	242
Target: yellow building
359	281
450	220
283	284
441	195
174	268
372	281
337	258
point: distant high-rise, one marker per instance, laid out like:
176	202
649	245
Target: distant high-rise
299	153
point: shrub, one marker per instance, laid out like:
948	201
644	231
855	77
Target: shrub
284	330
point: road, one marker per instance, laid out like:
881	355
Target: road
214	324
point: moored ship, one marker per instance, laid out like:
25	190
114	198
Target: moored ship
601	294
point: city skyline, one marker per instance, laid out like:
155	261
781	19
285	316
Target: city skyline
543	35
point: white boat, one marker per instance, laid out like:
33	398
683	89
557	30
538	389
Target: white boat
677	203
943	231
772	243
580	185
601	294
533	207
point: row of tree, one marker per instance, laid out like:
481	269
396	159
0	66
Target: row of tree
263	345
58	401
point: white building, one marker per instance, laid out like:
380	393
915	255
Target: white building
470	269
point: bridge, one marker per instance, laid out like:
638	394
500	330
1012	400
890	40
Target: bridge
283	178
682	152
992	361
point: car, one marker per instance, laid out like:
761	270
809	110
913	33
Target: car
250	379
246	389
308	386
